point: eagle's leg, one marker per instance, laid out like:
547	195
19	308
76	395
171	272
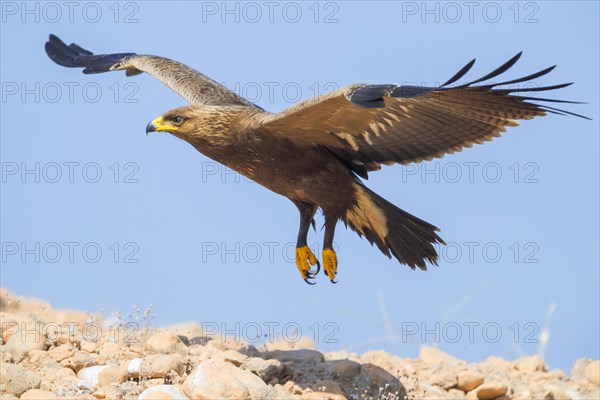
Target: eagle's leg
329	257
305	257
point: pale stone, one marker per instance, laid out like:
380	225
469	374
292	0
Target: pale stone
592	372
164	342
17	380
220	379
160	365
433	355
37	394
530	364
91	374
469	380
112	375
163	392
491	390
444	378
21	343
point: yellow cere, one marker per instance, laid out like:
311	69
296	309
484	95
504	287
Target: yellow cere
158	122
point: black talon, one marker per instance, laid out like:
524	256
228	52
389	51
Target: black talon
332	281
318	268
310	283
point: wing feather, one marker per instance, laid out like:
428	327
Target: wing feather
190	84
373	125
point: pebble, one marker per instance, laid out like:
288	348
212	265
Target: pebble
37	394
163	392
20	343
592	372
112	375
16	379
222	380
265	369
164	342
469	380
530	364
91	374
491	390
160	365
433	355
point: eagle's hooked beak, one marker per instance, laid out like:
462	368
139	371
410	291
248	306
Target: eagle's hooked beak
157	125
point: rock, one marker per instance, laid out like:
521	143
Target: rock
10	324
21	343
286	344
91	374
222	380
80	360
329	388
160	365
265	369
344	369
592	372
37	394
134	366
373	378
578	370
491	390
469	380
234	357
530	364
455	394
445	378
299	356
17	380
163	392
494	363
112	375
109	350
63	352
164	342
433	355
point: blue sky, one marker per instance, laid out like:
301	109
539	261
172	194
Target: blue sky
118	219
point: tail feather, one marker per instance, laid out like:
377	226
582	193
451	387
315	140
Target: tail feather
395	232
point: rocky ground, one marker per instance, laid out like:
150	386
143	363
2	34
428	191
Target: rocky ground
48	354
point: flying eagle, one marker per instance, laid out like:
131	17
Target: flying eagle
315	152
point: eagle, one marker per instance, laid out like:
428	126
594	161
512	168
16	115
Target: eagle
318	152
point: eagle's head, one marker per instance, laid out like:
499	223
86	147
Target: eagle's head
197	123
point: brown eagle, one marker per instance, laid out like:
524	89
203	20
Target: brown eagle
315	152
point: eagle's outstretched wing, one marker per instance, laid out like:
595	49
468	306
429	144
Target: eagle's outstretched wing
371	125
190	84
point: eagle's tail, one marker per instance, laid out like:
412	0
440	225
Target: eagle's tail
396	232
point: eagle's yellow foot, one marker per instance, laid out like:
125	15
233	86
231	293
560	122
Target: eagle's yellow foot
330	264
304	257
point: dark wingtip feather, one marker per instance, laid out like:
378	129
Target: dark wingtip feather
501	69
460	73
525	78
75	56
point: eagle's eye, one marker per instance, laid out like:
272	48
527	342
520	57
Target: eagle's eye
177	120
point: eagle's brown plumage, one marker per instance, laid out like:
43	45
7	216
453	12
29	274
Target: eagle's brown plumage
314	152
